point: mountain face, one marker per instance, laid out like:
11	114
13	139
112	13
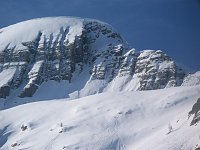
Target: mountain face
37	51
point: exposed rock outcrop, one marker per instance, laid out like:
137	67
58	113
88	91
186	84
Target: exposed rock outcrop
157	70
196	112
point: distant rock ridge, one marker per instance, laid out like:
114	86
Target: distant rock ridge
36	51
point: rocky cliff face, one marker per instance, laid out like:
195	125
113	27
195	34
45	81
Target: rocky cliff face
40	50
195	112
157	70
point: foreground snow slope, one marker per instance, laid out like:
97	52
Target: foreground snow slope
141	120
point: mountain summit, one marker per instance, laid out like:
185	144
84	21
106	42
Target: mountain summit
86	56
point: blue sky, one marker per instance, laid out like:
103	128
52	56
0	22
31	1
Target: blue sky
170	25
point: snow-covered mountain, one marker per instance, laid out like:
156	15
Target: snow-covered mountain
63	48
135	99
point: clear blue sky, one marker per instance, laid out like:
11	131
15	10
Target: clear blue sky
170	25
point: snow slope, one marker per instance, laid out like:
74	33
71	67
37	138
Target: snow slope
139	120
192	79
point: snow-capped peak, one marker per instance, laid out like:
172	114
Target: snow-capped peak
67	49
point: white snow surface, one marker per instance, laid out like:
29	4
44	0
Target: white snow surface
136	120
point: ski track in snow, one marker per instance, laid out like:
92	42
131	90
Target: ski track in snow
49	146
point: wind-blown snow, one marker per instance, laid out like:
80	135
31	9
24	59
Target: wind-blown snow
28	30
13	36
138	120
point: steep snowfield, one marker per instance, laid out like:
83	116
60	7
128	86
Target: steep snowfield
7	76
137	120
